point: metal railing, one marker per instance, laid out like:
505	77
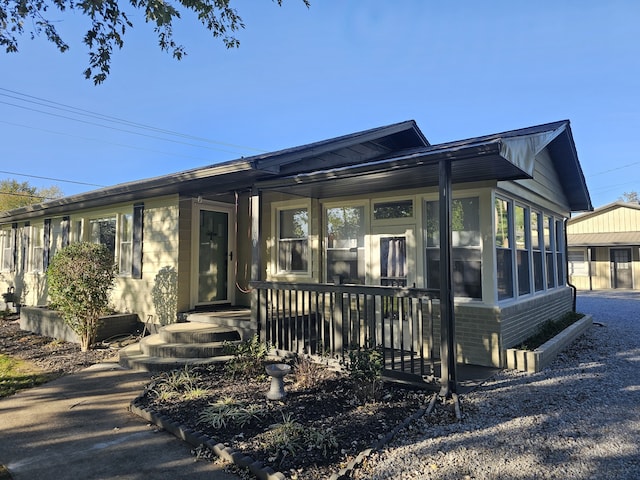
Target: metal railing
328	319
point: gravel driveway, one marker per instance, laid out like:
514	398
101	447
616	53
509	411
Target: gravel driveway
577	419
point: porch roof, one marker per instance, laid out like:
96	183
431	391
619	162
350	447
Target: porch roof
504	156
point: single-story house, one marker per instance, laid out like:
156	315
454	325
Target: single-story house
604	248
341	230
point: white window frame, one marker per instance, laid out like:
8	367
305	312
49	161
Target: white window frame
364	250
578	268
277	208
124	263
36	248
6	249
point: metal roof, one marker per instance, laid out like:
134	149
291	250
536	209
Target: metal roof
391	157
603	239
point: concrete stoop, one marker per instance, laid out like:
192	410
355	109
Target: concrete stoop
178	345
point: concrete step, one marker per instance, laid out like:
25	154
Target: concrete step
191	332
239	319
133	358
178	345
156	346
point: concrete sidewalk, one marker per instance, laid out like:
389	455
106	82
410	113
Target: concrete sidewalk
79	427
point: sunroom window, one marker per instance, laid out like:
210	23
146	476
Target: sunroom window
293	240
536	243
549	250
523	247
504	248
345	230
466	256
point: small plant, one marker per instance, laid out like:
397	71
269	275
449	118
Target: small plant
228	411
307	372
548	330
178	384
365	366
290	436
248	358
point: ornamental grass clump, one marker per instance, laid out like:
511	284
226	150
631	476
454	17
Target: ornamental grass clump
80	278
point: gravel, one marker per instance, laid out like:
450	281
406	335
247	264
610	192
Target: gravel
577	419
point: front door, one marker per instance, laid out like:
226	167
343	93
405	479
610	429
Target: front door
621	268
212	281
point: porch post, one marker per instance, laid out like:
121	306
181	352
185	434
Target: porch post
448	377
255	201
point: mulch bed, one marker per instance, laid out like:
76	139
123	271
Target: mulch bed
332	405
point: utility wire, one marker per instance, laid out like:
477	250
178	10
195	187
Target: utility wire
50	178
108	118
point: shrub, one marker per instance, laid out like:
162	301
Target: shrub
365	367
548	330
80	278
248	358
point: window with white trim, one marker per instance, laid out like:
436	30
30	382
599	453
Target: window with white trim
465	244
536	244
523	249
6	249
103	231
345	234
549	250
36	248
559	247
578	265
125	236
504	247
293	240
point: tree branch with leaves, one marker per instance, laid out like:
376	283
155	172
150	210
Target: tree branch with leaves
110	22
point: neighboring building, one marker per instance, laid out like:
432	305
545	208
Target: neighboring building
359	210
604	248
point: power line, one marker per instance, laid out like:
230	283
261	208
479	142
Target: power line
108	118
50	178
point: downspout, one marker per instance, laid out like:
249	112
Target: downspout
566	265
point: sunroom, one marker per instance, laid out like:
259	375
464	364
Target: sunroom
351	254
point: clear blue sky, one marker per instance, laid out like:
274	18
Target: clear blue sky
460	69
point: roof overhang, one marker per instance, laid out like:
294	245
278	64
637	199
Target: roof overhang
417	168
603	239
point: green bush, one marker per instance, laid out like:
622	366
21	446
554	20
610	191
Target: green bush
365	367
80	278
548	330
248	358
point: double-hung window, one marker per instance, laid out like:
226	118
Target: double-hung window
345	234
36	244
6	249
293	240
103	231
466	255
125	236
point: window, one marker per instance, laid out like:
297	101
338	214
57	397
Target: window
126	237
36	248
504	248
538	270
6	249
560	274
549	250
393	210
466	256
345	245
103	231
523	247
293	240
393	261
578	266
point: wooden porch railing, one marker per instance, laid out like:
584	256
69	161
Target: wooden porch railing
328	319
